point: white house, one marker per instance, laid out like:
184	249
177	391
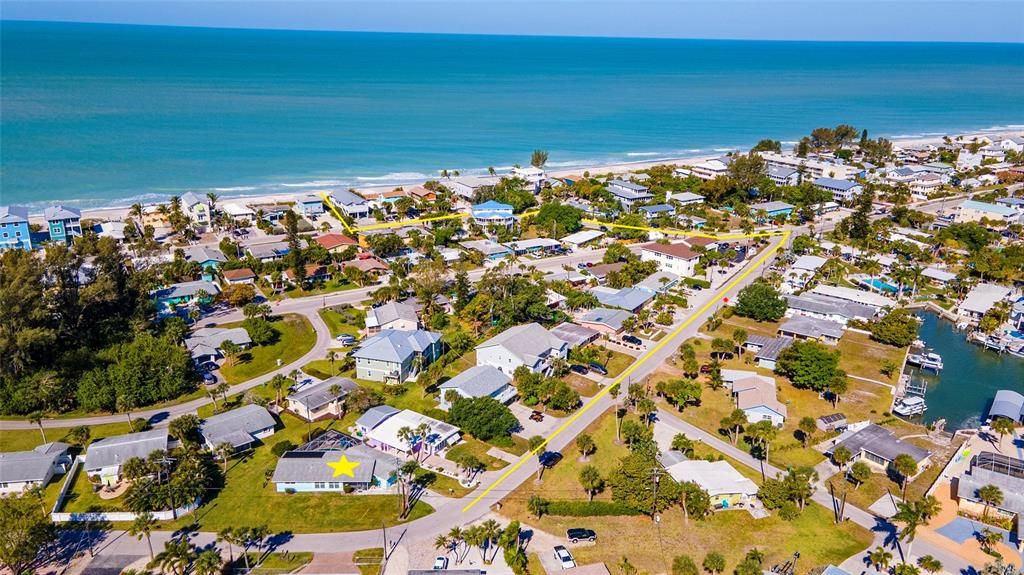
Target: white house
708	169
240	428
842	190
354	206
1015	143
22	470
239	212
531	174
678	258
392	356
756	396
320	400
389	435
981	298
811	167
528	345
469	186
478	381
783	175
629	193
196	208
974	211
392	315
105	457
685	198
726	486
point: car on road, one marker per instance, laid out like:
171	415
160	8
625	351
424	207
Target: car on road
598	368
564	558
549	458
632	339
577	534
581	265
440	563
579	368
346	339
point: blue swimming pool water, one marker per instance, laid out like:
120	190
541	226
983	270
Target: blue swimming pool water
880	285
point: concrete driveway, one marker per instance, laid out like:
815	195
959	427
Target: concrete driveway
530	427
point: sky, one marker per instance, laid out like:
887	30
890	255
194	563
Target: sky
867	20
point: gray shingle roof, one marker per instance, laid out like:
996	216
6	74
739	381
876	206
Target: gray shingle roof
822	304
612	318
574	335
529	342
61	213
189	199
120	448
881	442
35	465
208	340
311	466
236	426
13	214
389	312
811	327
625	298
394	345
773	347
478	381
200	254
319	394
375	415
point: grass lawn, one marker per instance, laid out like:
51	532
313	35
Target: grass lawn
477	448
83	497
464	362
369	560
863	357
323	288
26	439
248	498
295	338
274	563
583	385
651	550
348	320
617	364
444	485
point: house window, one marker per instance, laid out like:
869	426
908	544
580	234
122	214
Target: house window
334	485
318	485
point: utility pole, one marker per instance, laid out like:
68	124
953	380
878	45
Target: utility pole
384	530
656	476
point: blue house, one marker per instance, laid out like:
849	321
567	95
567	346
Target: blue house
184	293
310	205
774	209
14	232
208	258
64	223
651	212
493	213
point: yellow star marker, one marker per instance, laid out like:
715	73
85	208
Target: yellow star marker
344	467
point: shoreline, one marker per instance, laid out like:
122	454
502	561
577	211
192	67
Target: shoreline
120	212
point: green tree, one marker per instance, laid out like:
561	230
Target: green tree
807	427
880	558
859	472
1003	426
684	565
682	444
910	516
906	467
714	562
26	530
142	527
632	485
586	445
734	423
207	562
929	564
537	506
842	456
185	428
760	301
990	495
538	158
591	480
809	365
558	220
898	328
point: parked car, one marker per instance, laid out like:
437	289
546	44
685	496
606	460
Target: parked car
706	368
577	534
632	339
536	416
549	458
564	558
579	368
440	563
209	378
346	339
598	368
209	366
581	265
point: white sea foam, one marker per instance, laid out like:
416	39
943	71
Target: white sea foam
233	189
642	154
313	184
395	176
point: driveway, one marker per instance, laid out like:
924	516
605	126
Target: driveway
530	427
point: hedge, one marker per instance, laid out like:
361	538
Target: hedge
691	282
589	508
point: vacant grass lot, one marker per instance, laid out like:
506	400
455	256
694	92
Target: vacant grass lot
651	547
863	357
350	320
322	288
26	439
295	338
477	448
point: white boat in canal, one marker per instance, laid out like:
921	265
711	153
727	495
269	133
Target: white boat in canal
910	405
930	360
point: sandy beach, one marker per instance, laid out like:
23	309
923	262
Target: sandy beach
118	213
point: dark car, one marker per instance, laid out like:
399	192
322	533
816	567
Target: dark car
580	369
578	534
706	368
581	265
632	339
549	458
209	378
536	416
598	368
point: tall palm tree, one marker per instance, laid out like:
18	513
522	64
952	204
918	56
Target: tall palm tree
176	556
207	563
443	542
335	391
489	532
143	527
36	417
227	535
456	536
880	558
910	516
278	383
332	356
990	495
224	451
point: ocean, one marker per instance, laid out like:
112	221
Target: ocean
97	115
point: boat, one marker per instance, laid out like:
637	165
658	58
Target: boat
927	361
918	344
910	405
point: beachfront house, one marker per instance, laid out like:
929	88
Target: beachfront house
775	210
14	230
469	186
980	299
631	299
392	435
477	381
307	469
726	486
241	428
196	209
493	213
707	169
320	400
842	190
353	205
239	213
23	470
678	258
683	199
205	344
783	175
310	205
392	356
810	167
877	446
391	315
63	223
104	457
813	329
528	345
629	193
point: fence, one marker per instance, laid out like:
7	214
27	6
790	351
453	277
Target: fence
95	516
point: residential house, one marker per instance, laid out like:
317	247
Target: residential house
314	273
678	258
470	186
63	223
392	356
372	266
831	422
651	212
307	469
581	238
813	329
491	250
320	400
373	417
756	396
767	349
975	211
965	160
1003	471
392	315
353	205
336	243
802	271
390	435
268	252
685	198
926	183
528	345
600	271
575	335
707	169
239	276
809	166
205	343
842	190
980	299
14	230
938	276
628	193
875	300
659	282
530	174
783	175
726	486
692	222
23	470
112	230
104	457
493	213
1015	143
478	381
241	427
773	210
310	205
197	209
828	308
533	246
630	299
877	446
239	213
208	258
185	293
607	321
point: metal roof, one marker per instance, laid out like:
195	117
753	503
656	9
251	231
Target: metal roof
811	327
393	345
319	394
881	442
61	213
35	465
574	335
312	466
236	426
375	415
116	450
1008	404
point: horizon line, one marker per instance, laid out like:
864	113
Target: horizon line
4	20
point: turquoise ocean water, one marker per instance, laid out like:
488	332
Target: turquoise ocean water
109	115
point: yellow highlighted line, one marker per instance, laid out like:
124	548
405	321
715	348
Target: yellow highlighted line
673	231
399	224
593	401
330	204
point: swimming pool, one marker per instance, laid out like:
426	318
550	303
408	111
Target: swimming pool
881	285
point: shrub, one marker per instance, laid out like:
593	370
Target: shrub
281	446
789	511
573	508
289	491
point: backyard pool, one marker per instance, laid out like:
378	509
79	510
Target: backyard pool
881	285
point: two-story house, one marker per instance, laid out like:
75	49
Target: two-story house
64	223
528	345
14	230
392	356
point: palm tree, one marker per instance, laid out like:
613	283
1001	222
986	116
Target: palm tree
1003	426
135	211
988	539
36	417
207	563
332	356
928	506
176	556
880	558
910	516
442	542
228	536
222	388
990	495
224	451
456	536
143	527
929	563
335	391
489	532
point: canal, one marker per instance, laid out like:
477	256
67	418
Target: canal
962	393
